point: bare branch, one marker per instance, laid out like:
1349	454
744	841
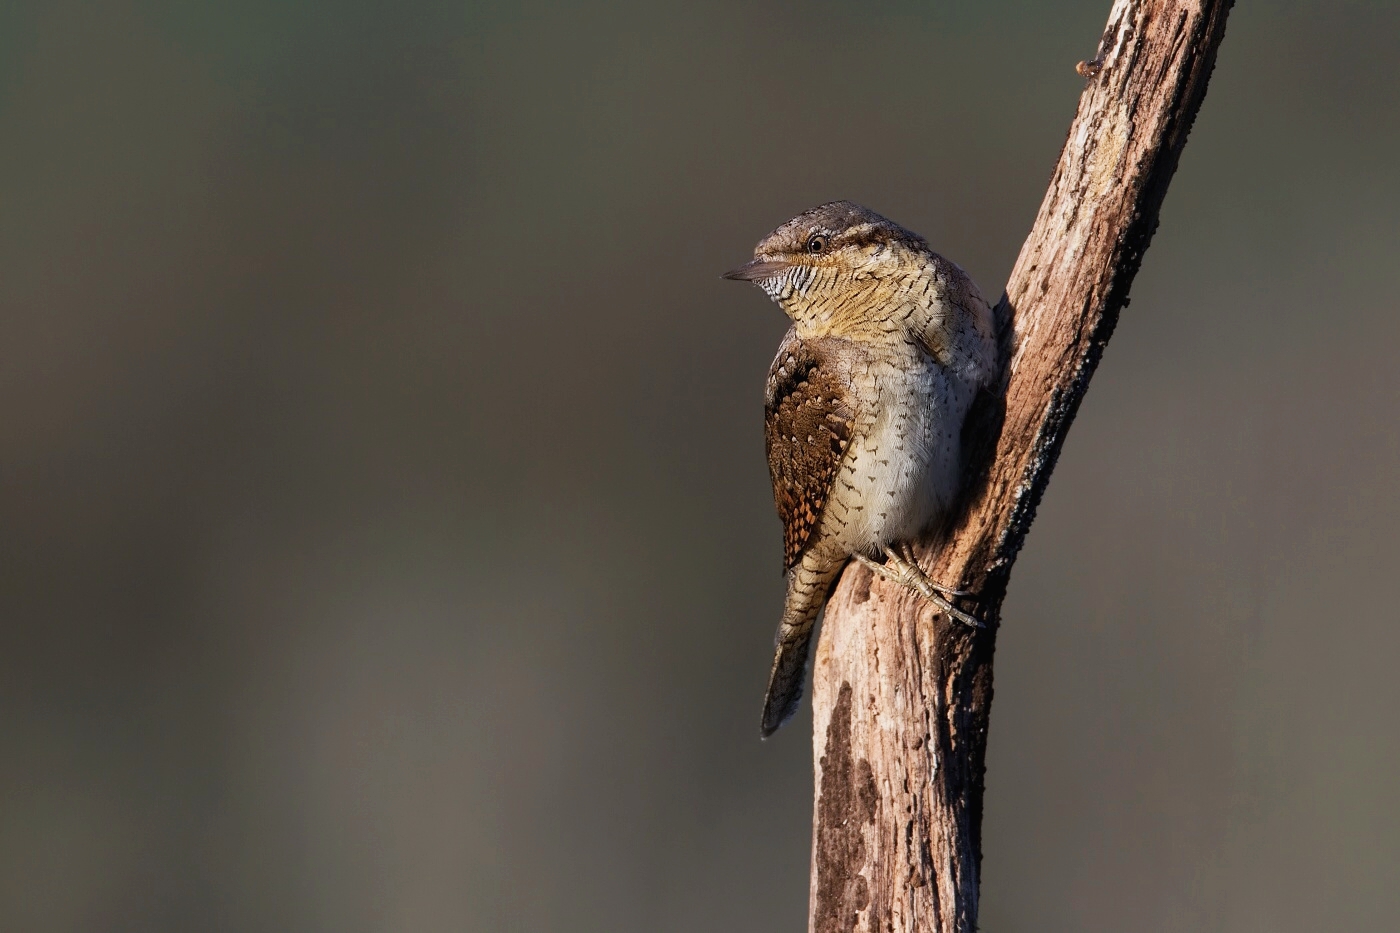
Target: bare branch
901	698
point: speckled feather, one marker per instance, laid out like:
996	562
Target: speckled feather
808	428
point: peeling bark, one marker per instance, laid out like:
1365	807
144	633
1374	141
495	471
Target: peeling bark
901	696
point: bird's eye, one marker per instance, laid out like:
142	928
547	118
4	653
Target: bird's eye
816	244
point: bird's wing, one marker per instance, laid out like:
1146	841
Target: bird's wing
809	422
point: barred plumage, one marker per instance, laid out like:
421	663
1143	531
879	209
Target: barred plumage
864	405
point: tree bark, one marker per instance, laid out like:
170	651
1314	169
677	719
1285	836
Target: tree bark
901	696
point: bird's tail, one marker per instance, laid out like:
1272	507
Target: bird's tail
808	585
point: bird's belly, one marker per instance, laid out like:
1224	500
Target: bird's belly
901	473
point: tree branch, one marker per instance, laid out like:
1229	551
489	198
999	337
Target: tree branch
901	697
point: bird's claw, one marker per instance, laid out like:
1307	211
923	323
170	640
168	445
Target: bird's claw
904	571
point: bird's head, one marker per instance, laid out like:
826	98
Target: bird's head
812	262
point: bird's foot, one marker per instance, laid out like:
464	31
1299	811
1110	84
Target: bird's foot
903	569
905	551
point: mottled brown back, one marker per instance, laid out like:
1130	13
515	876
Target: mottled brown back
808	425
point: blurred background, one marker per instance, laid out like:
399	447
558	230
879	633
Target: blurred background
385	536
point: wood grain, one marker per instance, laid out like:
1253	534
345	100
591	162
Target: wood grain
901	697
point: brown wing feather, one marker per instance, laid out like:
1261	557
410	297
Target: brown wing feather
808	428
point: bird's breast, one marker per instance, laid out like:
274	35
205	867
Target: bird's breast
902	469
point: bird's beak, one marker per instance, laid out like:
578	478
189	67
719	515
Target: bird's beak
756	270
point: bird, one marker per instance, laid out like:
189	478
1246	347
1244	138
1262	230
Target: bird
864	405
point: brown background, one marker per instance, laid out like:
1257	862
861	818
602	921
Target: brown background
386	536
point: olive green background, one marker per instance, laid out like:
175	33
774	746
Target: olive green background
385	539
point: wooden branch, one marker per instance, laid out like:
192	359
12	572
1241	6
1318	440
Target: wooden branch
901	697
